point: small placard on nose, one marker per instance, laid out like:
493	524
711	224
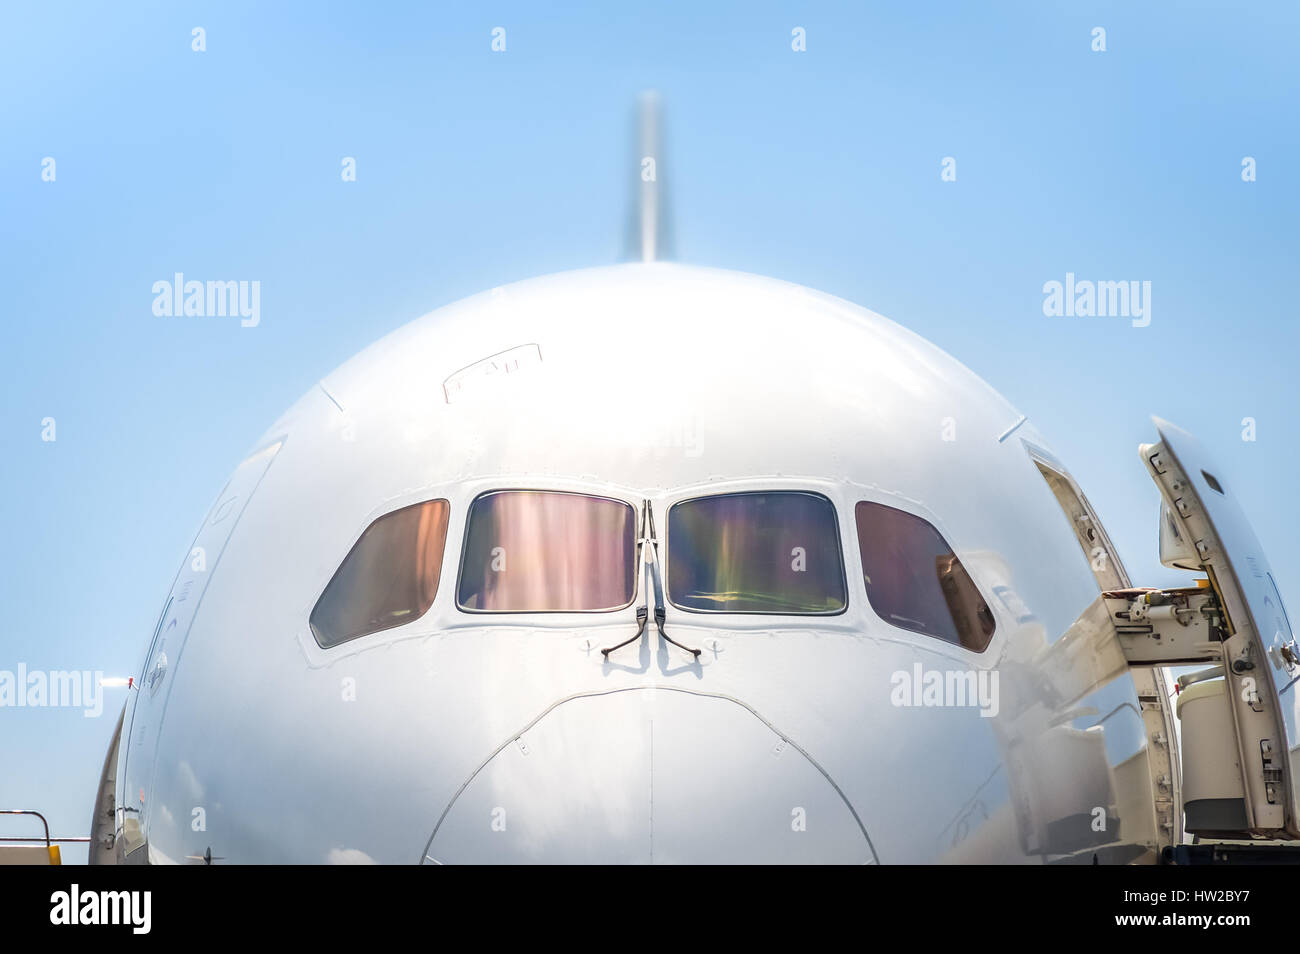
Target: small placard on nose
491	372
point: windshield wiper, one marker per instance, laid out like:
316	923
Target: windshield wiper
650	555
640	628
641	613
652	560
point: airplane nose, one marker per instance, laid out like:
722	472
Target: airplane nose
649	775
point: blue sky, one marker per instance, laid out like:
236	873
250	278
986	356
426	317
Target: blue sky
477	168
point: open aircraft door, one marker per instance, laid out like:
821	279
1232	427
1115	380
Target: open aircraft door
1235	624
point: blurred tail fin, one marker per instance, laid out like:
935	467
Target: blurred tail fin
649	235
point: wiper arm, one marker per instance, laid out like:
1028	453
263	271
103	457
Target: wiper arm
641	612
652	560
649	557
640	628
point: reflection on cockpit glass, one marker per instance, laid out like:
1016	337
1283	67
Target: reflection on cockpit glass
915	581
755	553
532	551
389	577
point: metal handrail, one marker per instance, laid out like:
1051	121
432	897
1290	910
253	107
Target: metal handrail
48	840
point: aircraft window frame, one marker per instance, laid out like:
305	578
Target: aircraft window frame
900	623
752	491
464	552
356	543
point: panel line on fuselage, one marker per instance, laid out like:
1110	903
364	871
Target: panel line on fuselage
692	692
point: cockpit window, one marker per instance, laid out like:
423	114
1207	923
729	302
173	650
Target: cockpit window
389	577
532	551
757	552
916	582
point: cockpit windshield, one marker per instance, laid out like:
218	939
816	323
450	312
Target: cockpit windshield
530	551
389	578
915	580
755	552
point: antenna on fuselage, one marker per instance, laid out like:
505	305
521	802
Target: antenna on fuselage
649	235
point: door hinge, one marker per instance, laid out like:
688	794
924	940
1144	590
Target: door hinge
1166	627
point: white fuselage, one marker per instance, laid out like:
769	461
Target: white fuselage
486	737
